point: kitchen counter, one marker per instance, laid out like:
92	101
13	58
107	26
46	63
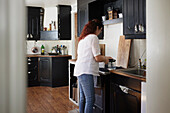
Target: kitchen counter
72	61
128	75
39	55
119	72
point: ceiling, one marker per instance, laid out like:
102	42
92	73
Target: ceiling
49	3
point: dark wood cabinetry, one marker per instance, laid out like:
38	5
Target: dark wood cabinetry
60	73
48	71
64	22
125	95
32	64
53	71
134	18
45	71
101	86
35	22
89	10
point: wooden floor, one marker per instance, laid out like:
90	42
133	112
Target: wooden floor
48	100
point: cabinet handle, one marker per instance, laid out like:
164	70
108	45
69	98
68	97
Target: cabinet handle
29	72
141	28
31	36
124	89
27	35
129	27
136	28
29	63
29	59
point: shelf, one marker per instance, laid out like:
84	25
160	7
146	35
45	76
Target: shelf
114	21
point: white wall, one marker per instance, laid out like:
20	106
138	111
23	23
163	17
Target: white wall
112	34
158	55
51	14
48	45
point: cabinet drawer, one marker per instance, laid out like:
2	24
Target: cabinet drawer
126	81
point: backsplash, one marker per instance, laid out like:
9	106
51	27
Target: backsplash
48	45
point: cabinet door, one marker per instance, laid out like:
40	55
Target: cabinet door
32	71
60	71
96	11
142	15
134	19
124	100
64	22
45	70
130	16
33	23
82	17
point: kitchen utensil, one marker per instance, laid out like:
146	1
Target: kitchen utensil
34	49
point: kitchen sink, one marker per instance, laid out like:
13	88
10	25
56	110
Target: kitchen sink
135	71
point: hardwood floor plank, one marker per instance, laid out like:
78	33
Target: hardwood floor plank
48	100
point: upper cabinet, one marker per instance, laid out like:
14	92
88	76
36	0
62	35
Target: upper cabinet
134	19
64	22
95	9
35	22
89	10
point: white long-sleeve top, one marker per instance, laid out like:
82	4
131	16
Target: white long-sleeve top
88	48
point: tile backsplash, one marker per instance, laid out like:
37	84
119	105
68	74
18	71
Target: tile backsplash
48	45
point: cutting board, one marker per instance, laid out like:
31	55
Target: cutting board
123	52
102	49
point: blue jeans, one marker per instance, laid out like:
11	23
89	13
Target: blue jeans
86	86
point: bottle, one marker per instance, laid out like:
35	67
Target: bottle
62	50
140	64
50	27
58	51
144	64
42	50
54	25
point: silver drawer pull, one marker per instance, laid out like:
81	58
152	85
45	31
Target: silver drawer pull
29	72
29	63
124	89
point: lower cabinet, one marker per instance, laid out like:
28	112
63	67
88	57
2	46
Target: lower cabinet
124	98
101	87
45	71
32	70
48	71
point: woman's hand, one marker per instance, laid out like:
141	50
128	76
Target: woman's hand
107	59
101	58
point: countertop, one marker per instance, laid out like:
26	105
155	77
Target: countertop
73	61
38	55
128	75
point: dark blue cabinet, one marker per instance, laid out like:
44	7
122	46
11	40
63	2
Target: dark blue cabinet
35	17
134	19
64	22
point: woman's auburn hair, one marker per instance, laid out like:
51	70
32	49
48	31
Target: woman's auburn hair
90	28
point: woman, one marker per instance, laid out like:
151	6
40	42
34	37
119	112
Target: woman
87	64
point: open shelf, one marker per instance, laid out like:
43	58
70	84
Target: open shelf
113	21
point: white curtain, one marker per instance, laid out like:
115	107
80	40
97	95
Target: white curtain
158	56
12	56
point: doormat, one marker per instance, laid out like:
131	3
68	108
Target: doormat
74	111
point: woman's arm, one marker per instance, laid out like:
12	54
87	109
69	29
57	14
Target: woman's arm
101	58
